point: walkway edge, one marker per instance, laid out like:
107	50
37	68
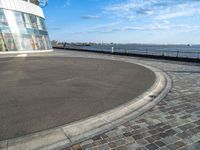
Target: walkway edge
79	131
24	52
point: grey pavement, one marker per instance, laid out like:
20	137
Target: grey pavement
39	93
172	124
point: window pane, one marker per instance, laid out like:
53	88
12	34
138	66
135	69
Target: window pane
42	24
9	42
27	21
3	21
39	24
2	44
33	21
35	2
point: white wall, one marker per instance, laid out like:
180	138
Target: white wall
23	6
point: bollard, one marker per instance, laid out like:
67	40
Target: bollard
163	53
177	54
112	49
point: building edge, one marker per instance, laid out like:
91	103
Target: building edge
22	26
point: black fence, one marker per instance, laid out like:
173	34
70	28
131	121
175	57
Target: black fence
164	54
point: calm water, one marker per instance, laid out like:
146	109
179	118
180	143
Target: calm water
190	51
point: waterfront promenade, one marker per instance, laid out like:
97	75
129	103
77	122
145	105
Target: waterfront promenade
174	123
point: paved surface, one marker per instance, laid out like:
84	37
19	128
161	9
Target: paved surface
41	93
172	124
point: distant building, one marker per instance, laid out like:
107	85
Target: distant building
22	25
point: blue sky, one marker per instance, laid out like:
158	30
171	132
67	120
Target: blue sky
124	21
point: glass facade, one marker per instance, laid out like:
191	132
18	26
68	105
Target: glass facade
38	2
22	32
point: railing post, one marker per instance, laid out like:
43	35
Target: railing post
163	53
112	49
177	54
146	51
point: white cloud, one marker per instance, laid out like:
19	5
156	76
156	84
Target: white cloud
159	9
90	17
147	15
182	10
116	27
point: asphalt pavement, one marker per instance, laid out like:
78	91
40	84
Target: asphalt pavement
39	93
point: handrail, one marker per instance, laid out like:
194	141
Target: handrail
147	52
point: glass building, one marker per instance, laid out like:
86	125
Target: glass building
22	26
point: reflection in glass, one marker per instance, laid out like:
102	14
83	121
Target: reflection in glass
2	43
33	21
9	42
26	20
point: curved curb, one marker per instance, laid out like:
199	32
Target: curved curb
79	131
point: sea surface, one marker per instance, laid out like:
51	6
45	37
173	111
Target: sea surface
189	51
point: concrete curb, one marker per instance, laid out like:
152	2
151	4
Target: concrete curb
25	52
79	131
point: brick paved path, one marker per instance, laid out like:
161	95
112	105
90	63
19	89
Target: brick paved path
172	124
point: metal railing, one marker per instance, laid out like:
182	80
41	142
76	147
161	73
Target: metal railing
165	53
147	52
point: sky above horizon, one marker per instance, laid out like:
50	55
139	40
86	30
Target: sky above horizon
124	21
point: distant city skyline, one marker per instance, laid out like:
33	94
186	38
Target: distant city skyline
124	21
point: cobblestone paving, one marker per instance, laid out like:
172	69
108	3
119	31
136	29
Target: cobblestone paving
174	123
